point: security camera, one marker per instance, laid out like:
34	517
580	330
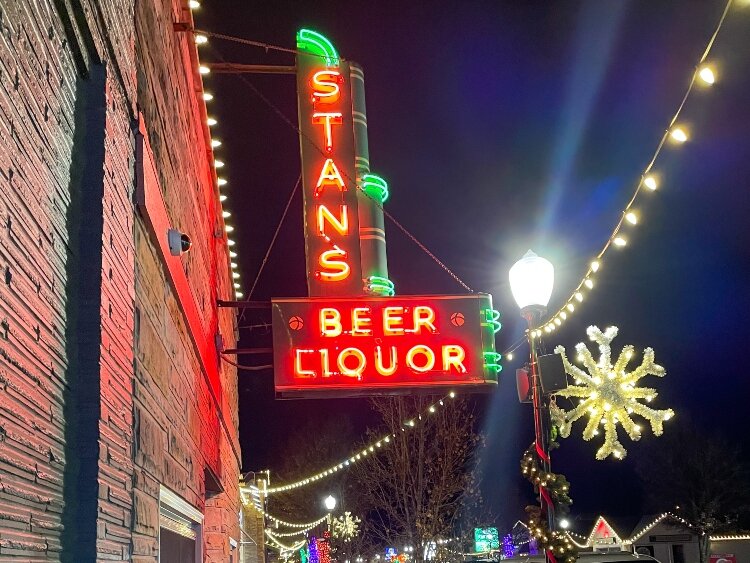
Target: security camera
179	243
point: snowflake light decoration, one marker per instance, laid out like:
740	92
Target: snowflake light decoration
346	526
608	393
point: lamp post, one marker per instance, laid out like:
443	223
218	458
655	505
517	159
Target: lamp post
330	503
531	281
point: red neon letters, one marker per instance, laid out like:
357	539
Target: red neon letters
333	263
347	346
395	348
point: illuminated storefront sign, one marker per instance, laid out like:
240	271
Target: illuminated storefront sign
351	346
486	539
352	337
328	169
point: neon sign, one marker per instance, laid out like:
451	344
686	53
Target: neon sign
328	169
353	336
347	346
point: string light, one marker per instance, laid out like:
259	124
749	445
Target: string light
280	522
202	39
356	456
281	546
677	134
706	74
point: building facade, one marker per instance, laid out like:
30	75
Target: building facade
118	419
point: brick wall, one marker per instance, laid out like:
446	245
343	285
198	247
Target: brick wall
104	393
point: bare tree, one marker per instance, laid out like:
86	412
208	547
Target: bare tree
415	486
702	475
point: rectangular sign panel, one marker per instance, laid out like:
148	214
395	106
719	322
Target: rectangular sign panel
486	539
329	178
366	345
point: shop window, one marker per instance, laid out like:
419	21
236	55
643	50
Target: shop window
180	526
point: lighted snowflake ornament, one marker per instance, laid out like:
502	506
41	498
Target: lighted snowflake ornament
346	526
608	393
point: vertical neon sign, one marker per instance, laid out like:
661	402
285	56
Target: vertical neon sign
328	169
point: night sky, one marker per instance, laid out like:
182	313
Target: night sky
503	126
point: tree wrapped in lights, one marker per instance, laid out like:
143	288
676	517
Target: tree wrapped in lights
608	393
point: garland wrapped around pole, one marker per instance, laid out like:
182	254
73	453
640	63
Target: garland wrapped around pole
555	488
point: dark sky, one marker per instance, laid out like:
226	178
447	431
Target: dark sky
507	125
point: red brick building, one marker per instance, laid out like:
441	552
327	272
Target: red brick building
118	421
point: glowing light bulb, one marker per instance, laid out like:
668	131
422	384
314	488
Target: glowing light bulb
579	296
589	283
236	286
211	121
194	4
650	182
230	242
239	294
201	39
235	275
215	143
218	164
619	241
509	356
595	266
222	198
228	228
221	181
232	254
678	135
452	394
226	214
571	307
204	69
631	218
706	74
207	96
563	315
233	265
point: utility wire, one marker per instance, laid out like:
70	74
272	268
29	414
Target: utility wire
246	368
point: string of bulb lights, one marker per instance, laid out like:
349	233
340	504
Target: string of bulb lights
215	143
372	448
282	547
303	527
704	74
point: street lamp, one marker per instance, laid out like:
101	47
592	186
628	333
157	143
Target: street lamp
531	281
330	503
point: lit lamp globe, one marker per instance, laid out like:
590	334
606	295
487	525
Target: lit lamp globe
330	503
531	281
